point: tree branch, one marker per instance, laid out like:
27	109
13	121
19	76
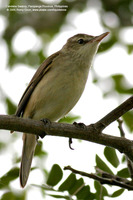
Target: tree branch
90	133
129	162
105	178
115	114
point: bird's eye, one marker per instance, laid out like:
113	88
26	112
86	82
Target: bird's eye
81	41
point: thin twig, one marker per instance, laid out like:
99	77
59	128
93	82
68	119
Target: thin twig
129	162
111	176
120	122
112	180
114	114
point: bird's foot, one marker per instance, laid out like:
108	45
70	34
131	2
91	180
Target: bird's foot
79	125
46	122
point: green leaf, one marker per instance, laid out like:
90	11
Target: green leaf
117	193
85	193
68	183
7	195
77	186
107	45
29	58
39	150
69	119
121	84
124	173
11	107
60	196
2	146
102	165
100	188
55	175
123	160
128	119
111	156
130	49
9	176
13	196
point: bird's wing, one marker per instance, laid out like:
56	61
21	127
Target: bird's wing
42	70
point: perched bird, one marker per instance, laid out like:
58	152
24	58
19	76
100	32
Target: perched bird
55	88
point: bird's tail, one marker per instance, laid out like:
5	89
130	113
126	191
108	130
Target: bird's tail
29	144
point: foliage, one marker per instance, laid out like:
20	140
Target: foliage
76	187
46	25
57	186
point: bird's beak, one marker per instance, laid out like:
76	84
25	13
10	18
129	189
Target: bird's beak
100	37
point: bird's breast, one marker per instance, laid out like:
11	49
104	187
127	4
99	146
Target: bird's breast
56	94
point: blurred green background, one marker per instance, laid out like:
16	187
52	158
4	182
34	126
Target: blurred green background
115	16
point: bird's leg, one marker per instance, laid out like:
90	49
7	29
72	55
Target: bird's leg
78	125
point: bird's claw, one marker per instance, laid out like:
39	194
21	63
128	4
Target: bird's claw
70	142
79	125
46	122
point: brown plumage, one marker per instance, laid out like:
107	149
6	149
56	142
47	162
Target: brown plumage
55	88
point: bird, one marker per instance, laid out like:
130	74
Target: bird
55	88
